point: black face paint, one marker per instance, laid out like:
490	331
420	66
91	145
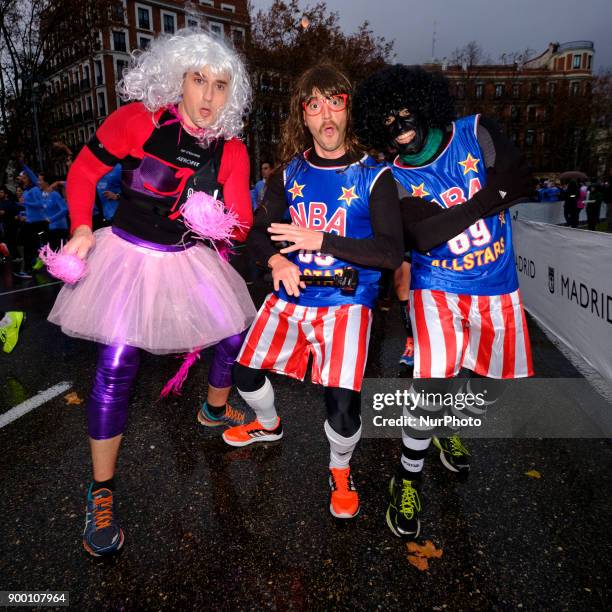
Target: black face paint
406	124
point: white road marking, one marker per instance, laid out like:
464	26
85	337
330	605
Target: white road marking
30	288
34	402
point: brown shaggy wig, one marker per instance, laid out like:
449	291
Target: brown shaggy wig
296	137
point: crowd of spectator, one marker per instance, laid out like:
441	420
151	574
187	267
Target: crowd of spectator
35	213
577	195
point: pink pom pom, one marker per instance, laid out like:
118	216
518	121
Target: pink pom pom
206	216
65	266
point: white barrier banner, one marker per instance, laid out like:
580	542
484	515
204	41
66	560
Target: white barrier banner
565	277
548	212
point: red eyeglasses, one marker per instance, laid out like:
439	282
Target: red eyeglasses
314	106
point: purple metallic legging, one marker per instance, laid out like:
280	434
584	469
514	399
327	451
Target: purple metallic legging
107	408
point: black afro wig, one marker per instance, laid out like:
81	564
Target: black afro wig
397	87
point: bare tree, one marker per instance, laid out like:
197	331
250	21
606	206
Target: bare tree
517	57
21	51
290	39
286	40
467	56
30	32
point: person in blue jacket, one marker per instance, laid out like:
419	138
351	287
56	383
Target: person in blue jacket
108	191
35	230
56	210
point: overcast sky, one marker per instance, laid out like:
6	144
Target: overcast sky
499	26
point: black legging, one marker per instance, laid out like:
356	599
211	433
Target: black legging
34	236
57	237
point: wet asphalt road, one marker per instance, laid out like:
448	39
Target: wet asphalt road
211	527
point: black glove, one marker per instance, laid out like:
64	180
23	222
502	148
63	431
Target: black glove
503	189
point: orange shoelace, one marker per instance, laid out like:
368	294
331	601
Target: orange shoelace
103	513
235	415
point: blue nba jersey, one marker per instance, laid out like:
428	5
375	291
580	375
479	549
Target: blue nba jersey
337	200
479	260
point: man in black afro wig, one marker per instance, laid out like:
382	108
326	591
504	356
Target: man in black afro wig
384	94
455	179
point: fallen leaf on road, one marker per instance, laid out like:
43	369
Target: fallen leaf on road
533	474
419	553
427	550
419	562
73	398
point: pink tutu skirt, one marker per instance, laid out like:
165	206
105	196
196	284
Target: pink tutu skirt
163	302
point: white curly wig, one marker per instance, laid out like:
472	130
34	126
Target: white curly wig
155	76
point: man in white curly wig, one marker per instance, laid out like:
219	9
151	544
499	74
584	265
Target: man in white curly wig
151	285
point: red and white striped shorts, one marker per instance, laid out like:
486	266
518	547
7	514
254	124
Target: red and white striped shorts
486	334
284	335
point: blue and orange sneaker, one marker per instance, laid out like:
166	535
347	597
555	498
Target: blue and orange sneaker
229	417
102	535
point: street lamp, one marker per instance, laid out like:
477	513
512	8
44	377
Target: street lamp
35	88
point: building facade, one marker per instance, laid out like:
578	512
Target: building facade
542	104
271	93
81	82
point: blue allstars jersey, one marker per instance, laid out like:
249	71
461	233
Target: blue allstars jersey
480	260
336	200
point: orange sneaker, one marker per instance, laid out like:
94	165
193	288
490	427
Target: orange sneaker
344	501
242	435
407	358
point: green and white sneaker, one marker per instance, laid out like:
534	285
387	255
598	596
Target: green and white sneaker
9	329
404	508
453	454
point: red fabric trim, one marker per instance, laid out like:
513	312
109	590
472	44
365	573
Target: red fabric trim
448	331
280	333
122	133
234	176
337	349
257	331
362	348
487	335
509	336
424	344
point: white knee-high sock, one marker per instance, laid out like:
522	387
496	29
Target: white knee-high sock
262	404
413	453
341	448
